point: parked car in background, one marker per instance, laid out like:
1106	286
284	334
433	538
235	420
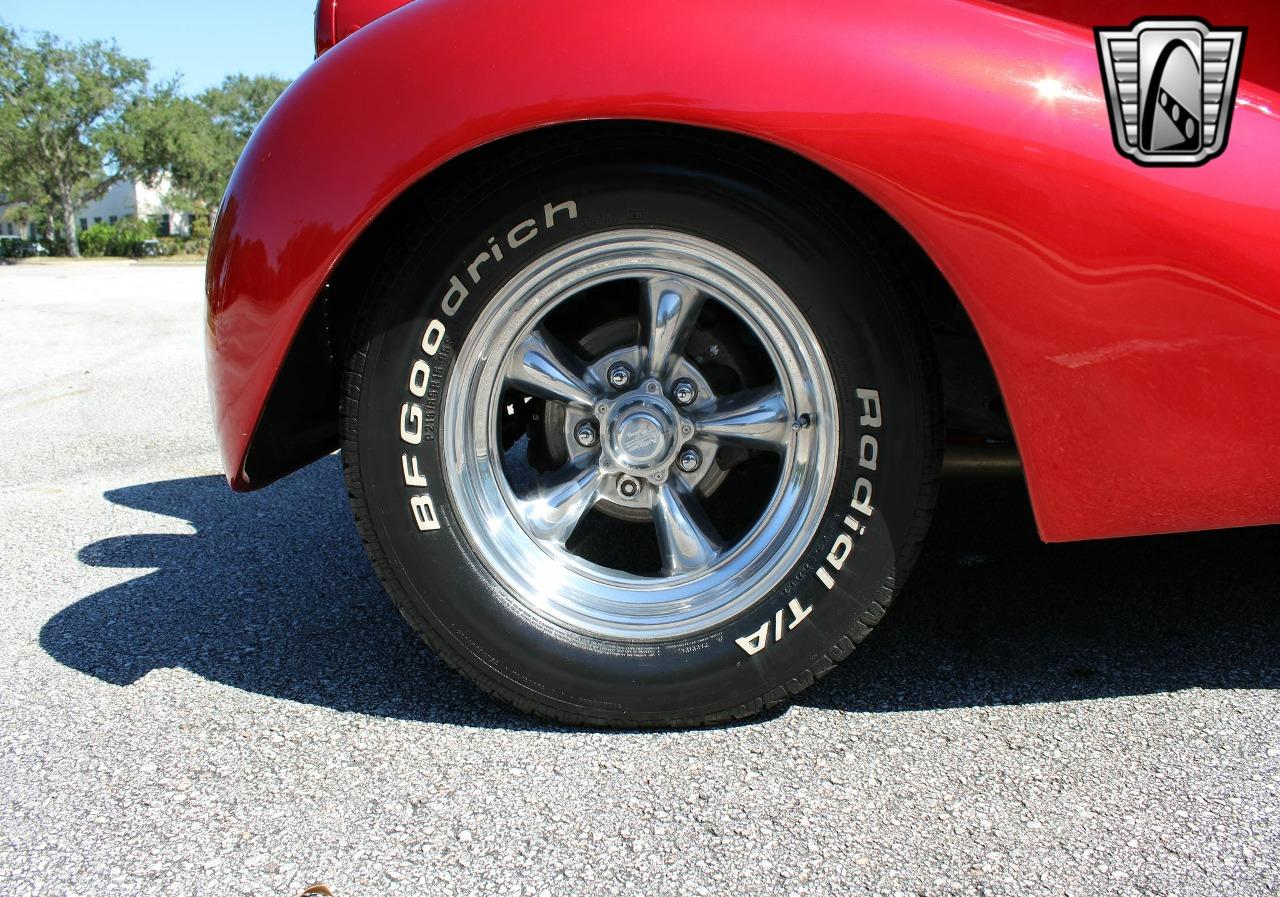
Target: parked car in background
13	247
643	332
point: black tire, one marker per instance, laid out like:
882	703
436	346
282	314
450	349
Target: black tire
788	223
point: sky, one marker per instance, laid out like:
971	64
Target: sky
202	40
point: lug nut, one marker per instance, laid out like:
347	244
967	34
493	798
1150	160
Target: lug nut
620	375
684	391
628	487
586	434
690	460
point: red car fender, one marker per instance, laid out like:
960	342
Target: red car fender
1132	314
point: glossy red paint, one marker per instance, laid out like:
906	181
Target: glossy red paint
326	32
1132	314
336	20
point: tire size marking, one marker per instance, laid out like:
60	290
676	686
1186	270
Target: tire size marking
416	422
772	631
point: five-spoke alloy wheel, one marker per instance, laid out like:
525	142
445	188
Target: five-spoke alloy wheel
638	433
657	428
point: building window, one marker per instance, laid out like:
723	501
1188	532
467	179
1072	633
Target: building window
114	219
84	223
97	221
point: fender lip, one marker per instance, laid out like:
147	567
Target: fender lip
254	311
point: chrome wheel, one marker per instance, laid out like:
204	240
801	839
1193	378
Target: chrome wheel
618	479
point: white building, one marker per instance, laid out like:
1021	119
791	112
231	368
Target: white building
123	199
133	199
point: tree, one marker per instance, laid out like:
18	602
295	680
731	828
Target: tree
197	142
27	191
62	104
241	102
163	132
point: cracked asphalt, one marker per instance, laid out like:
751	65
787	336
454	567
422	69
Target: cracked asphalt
203	693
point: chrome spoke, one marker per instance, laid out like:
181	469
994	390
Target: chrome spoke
553	512
542	366
671	310
686	537
757	418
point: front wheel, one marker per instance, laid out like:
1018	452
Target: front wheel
638	443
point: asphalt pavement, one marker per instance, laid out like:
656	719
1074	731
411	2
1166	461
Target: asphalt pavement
204	693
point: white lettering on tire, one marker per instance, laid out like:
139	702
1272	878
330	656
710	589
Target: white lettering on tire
868	459
411	425
759	640
842	548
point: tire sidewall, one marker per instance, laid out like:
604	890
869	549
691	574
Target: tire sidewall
847	573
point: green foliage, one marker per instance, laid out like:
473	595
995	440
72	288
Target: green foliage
74	118
164	131
128	237
196	141
62	104
96	240
178	246
201	229
241	102
201	234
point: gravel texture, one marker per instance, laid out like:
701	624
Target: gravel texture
208	693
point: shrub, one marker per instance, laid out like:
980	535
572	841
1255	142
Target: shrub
124	238
95	240
199	246
200	229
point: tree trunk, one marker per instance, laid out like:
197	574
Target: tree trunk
69	225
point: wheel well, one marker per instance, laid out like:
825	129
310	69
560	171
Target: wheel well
300	421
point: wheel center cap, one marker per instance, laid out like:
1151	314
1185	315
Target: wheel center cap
640	438
640	433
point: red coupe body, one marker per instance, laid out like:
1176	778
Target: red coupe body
1131	314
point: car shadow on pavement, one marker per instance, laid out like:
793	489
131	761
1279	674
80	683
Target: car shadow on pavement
991	615
272	594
